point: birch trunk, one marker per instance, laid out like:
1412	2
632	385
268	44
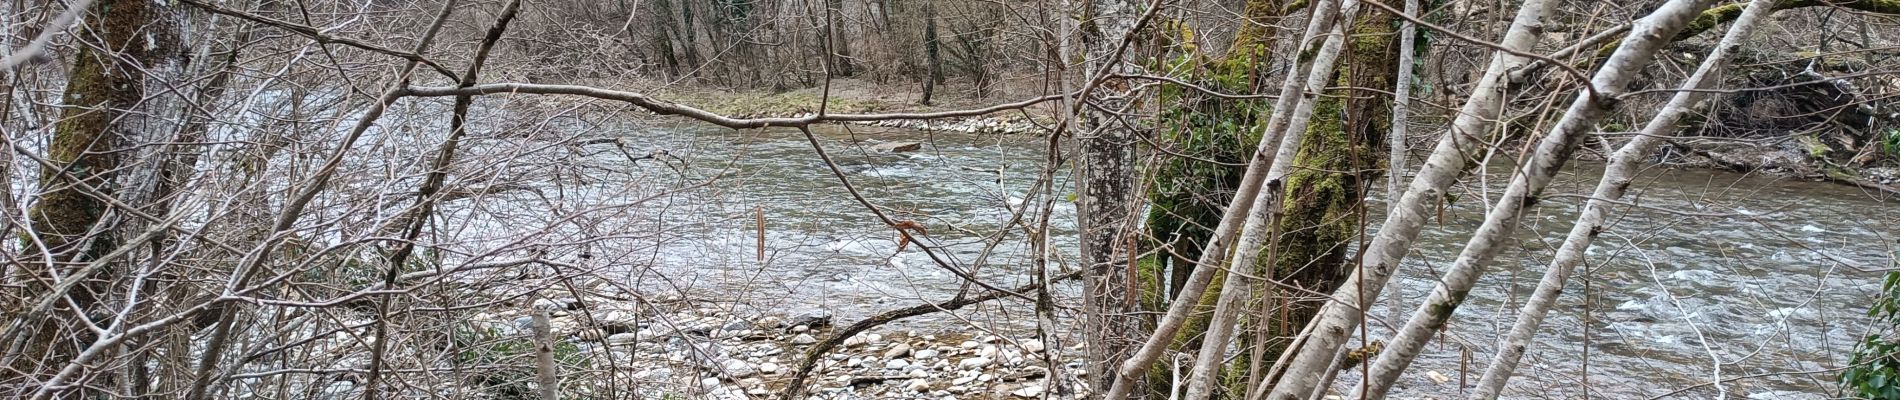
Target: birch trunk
1260	221
1401	105
1614	183
1636	52
546	382
1243	203
1337	319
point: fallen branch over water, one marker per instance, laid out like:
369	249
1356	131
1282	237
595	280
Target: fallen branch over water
664	107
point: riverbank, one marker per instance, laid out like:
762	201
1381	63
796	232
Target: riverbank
1787	158
689	348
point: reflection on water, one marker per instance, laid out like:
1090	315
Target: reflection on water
1711	269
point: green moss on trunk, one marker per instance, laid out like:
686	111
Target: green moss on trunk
106	82
1210	140
1342	157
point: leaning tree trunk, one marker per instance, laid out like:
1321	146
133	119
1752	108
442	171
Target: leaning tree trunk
177	163
1314	352
1610	188
107	111
1648	36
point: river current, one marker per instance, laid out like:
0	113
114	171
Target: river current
1708	276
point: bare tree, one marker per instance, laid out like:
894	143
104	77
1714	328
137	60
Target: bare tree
710	198
1611	187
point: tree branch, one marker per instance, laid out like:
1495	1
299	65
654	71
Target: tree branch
319	37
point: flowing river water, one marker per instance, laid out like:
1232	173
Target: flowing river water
1712	276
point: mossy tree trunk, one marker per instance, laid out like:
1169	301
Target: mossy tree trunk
1211	140
1341	158
106	114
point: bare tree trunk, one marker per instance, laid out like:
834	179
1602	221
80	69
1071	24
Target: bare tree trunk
883	14
663	35
688	33
840	42
1107	197
933	52
113	102
545	380
1401	105
1304	364
1610	188
1400	139
179	163
1636	52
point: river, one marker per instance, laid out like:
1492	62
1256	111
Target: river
1712	269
